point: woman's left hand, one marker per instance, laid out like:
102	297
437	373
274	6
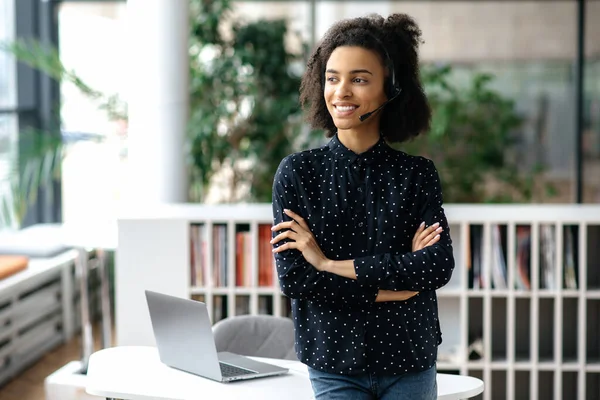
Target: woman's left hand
302	240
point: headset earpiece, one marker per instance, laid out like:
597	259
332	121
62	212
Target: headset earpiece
392	87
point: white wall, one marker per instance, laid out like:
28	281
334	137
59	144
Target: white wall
510	30
461	30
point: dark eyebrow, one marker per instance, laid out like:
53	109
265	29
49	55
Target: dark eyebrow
353	72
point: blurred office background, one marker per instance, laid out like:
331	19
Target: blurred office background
107	105
529	48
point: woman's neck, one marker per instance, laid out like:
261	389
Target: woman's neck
358	141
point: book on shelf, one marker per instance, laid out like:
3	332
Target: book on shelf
219	308
201	273
523	258
547	256
242	305
475	257
266	259
498	267
198	260
243	259
220	255
218	274
495	270
570	257
265	305
199	297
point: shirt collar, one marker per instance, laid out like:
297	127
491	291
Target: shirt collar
342	152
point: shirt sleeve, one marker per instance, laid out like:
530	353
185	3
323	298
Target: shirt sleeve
298	278
426	269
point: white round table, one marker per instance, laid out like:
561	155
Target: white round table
136	373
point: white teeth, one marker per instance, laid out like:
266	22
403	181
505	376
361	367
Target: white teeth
345	108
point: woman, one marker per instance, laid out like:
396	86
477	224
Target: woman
361	241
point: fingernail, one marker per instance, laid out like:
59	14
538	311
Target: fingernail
285	210
422	224
439	229
272	228
436	224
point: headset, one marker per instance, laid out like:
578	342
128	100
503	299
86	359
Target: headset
392	90
393	87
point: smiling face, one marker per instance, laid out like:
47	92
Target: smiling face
354	85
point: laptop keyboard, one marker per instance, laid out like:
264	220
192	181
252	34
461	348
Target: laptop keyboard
229	370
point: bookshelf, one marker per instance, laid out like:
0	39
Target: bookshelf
522	310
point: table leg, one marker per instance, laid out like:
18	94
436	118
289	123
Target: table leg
105	302
87	339
67	302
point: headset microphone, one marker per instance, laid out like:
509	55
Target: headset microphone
367	115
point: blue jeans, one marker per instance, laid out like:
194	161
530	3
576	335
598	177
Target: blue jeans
369	386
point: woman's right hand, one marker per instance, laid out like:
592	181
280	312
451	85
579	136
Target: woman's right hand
423	237
426	236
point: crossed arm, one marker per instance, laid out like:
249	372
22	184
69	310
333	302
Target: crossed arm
299	237
306	273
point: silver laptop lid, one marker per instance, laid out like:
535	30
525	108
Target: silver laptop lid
183	334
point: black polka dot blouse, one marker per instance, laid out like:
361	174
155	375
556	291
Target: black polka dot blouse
363	207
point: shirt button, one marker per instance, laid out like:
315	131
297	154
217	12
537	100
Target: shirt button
360	224
359	189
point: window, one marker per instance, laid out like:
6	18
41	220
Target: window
530	49
8	115
92	42
591	107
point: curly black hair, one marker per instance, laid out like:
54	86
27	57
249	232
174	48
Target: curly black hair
396	39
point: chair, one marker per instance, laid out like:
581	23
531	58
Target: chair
256	335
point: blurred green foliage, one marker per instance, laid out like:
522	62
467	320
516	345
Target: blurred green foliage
473	134
36	165
245	116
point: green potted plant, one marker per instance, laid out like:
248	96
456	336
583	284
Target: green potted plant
474	131
245	115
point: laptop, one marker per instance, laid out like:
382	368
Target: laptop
184	338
